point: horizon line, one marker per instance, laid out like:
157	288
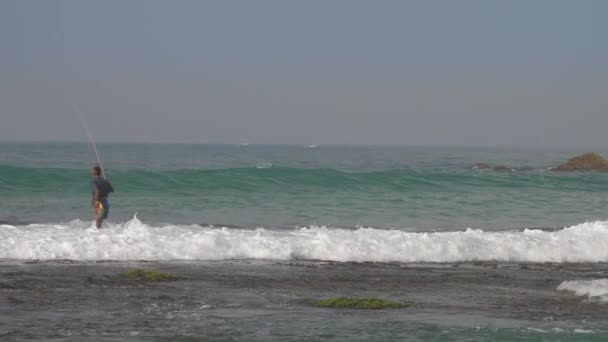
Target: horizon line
309	145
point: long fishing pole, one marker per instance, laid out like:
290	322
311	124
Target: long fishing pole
83	121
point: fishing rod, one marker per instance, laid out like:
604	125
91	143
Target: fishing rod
83	121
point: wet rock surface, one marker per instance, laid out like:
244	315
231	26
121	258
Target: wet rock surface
501	168
585	162
240	298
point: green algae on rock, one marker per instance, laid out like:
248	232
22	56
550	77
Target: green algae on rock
150	275
359	303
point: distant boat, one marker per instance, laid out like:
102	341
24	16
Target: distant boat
313	146
244	144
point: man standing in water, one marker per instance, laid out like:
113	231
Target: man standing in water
101	188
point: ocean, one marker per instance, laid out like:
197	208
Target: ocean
257	232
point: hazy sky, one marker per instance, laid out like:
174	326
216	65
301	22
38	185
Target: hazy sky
525	73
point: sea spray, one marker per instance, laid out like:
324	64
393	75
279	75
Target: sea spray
135	240
595	290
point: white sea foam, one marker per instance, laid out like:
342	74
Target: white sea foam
596	290
264	166
135	240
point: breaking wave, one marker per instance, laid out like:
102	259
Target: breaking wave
134	240
595	290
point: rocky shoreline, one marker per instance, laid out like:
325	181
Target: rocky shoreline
238	298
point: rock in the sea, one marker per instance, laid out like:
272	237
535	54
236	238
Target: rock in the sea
481	166
585	162
500	168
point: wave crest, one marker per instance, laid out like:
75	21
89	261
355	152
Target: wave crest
595	290
266	177
135	240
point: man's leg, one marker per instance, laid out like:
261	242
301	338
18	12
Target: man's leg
99	214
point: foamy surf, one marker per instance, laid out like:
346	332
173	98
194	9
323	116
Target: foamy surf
595	290
135	240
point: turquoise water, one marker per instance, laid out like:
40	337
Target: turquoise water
408	188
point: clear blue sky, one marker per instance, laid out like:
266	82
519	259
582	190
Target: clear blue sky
514	73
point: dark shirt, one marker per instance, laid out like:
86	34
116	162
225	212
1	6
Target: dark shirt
103	186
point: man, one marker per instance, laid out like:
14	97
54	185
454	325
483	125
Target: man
101	188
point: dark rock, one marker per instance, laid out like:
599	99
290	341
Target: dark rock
502	168
585	162
481	166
